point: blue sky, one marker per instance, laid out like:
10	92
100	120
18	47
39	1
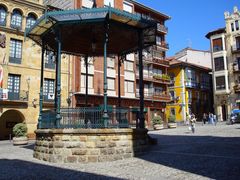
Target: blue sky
191	20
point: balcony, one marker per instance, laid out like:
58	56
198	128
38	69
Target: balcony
192	84
13	99
236	48
236	68
237	88
163	45
159	96
217	48
162	28
154	57
157	78
204	86
164	78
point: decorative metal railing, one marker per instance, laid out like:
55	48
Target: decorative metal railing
86	117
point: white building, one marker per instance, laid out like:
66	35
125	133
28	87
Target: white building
198	57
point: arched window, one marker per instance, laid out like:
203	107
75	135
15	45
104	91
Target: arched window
16	21
31	19
3	16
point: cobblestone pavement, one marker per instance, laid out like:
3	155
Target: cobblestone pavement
213	152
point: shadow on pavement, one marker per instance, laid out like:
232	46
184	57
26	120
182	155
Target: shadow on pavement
208	156
18	169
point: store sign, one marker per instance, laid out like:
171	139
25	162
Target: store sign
3	94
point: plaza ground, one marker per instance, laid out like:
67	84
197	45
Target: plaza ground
213	152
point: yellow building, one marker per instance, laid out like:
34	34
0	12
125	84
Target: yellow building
190	90
20	63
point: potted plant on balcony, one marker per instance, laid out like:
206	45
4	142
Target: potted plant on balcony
157	122
172	121
20	134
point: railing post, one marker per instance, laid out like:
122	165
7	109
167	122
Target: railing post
39	126
58	115
105	114
119	89
141	94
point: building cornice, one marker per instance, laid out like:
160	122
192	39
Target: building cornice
29	4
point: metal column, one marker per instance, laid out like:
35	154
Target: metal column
141	86
105	114
58	115
41	88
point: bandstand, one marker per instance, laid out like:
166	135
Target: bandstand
90	134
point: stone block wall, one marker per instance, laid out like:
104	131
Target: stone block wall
89	145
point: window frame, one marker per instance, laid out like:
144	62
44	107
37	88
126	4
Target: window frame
218	67
83	81
220	86
3	12
15	51
112	88
30	20
48	88
126	86
16	19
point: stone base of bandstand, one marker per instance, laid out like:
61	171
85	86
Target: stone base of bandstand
89	145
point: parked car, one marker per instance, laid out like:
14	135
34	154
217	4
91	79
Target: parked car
235	116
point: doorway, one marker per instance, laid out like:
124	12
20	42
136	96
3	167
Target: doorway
224	112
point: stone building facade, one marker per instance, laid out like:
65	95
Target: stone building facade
20	63
225	49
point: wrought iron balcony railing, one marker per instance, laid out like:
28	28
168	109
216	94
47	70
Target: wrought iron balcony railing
236	48
162	28
18	96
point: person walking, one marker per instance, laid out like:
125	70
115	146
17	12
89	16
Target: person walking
204	118
215	119
210	118
192	123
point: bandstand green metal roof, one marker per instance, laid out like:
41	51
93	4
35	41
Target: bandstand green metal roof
81	28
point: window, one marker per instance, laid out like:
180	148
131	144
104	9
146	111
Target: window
49	60
31	19
157	71
217	45
189	96
109	2
13	87
48	89
127	7
172	94
220	83
90	81
111	83
172	112
158	40
238	42
128	65
232	27
15	51
129	86
237	25
111	63
219	63
158	91
3	16
16	21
